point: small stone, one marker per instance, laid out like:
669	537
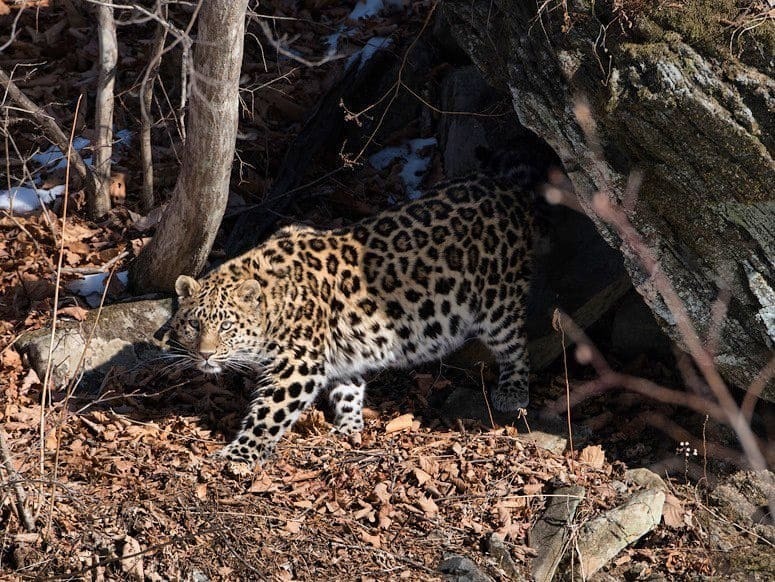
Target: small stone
461	569
496	546
645	478
550	442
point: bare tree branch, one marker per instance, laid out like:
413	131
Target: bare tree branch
146	99
52	131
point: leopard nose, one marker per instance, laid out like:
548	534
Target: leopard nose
206	353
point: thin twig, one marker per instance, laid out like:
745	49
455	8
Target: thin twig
50	359
24	516
557	323
279	44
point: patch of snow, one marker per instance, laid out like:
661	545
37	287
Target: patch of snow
366	9
53	158
332	40
414	164
123	138
369	50
23	199
91	287
28	198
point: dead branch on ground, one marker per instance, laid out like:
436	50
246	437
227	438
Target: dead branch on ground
14	477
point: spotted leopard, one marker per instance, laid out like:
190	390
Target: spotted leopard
315	310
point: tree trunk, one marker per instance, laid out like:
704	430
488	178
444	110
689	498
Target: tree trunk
98	202
187	230
672	100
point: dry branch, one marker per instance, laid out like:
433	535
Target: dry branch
50	128
13	476
146	99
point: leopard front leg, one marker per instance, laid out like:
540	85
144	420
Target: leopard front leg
290	386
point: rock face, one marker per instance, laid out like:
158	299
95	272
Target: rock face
122	337
670	100
601	539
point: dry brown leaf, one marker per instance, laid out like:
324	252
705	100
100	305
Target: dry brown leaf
533	488
370	413
593	456
366	511
11	358
428	506
201	491
374	541
292	526
75	311
51	441
381	493
421	476
402	422
384	521
673	511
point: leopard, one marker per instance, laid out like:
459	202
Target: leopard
312	311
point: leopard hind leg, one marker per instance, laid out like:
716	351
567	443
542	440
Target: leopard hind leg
346	399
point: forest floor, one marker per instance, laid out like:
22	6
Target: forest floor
123	484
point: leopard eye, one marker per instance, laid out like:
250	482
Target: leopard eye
193	323
225	325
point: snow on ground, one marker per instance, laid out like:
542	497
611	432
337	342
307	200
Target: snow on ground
363	55
28	198
363	10
23	199
415	164
91	287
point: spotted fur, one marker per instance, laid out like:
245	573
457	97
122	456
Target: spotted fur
312	310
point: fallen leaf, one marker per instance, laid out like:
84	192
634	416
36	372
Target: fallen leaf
673	511
593	455
11	358
402	422
201	491
428	506
381	493
421	476
75	311
533	488
374	541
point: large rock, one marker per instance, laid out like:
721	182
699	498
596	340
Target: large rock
123	336
574	269
670	99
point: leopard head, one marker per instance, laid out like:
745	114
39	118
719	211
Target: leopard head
218	324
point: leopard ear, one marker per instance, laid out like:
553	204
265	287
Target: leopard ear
249	291
186	286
